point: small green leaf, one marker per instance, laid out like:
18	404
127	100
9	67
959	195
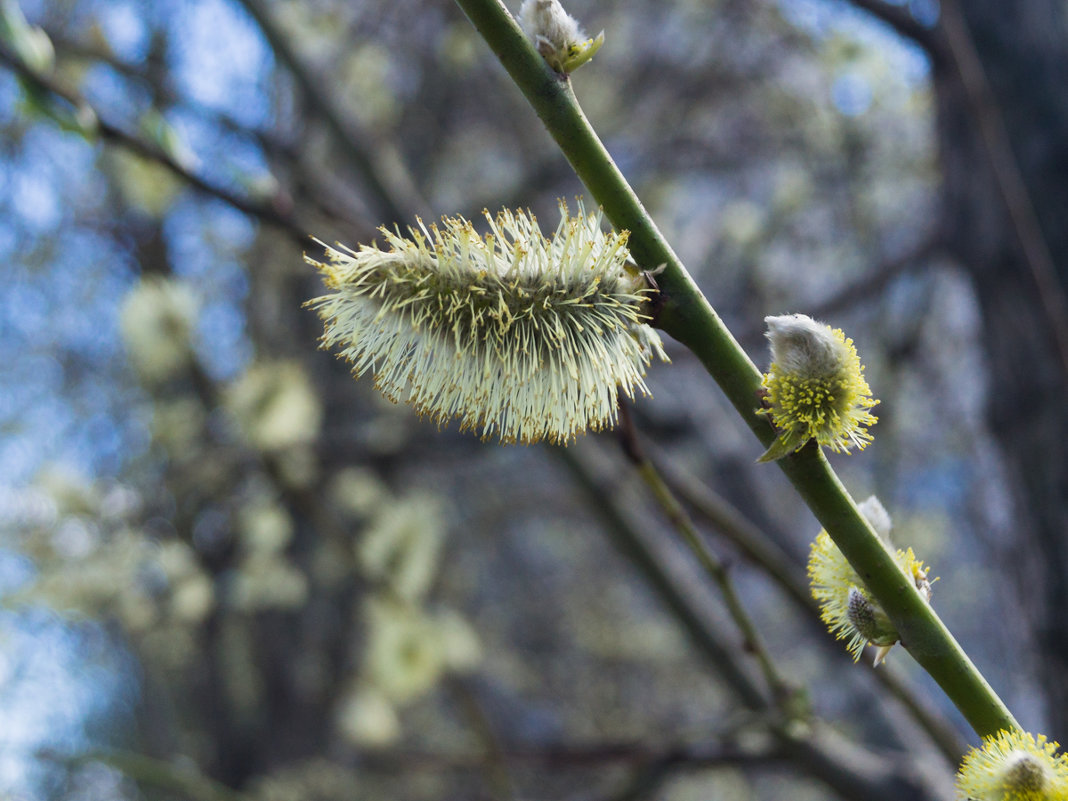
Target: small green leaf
579	54
783	446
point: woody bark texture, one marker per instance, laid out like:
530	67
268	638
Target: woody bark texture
1024	66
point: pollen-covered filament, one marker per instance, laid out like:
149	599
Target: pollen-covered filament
815	387
815	404
846	605
1014	765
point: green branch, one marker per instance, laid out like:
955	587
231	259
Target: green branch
762	551
687	316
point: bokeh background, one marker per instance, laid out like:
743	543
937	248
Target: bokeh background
229	571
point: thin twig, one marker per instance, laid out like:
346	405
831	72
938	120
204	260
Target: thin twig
68	49
901	20
494	763
758	547
882	275
153	773
581	756
668	486
395	198
869	287
1008	175
710	642
114	134
686	315
814	750
320	198
680	520
650	775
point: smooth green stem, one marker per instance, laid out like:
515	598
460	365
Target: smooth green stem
759	548
687	316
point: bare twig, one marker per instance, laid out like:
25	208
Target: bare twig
730	523
69	49
114	134
651	774
395	198
680	520
710	642
494	761
882	275
582	756
812	748
901	20
1007	174
153	773
868	287
313	186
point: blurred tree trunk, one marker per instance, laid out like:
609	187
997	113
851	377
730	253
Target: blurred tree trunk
1025	60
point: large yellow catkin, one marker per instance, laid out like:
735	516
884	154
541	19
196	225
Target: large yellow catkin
522	337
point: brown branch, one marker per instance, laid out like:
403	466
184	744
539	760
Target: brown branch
782	691
761	550
151	772
495	769
69	49
396	197
1007	175
711	644
819	752
312	186
901	20
812	749
580	756
114	134
869	286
